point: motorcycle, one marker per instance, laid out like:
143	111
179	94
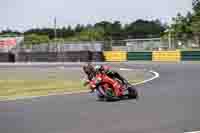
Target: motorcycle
103	86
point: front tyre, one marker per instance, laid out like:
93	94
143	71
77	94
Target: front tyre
132	93
100	94
100	98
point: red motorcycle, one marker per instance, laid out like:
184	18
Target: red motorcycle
108	89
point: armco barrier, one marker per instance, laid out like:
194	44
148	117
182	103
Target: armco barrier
37	57
4	57
190	55
166	56
139	56
97	56
115	56
82	56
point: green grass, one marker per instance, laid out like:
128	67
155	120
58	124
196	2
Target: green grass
23	82
20	88
16	88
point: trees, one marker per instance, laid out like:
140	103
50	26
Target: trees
78	28
34	39
107	27
188	26
43	31
89	34
144	29
195	21
116	27
182	26
196	5
103	30
9	32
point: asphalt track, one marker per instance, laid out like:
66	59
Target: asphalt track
170	104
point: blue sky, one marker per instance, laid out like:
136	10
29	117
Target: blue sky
24	14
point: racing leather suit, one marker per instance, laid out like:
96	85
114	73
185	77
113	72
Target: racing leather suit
107	75
112	74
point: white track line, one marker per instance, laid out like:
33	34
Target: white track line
125	69
156	75
193	132
79	92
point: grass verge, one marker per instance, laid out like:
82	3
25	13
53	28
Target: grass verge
11	89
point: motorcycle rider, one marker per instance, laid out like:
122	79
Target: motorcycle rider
89	71
92	71
111	73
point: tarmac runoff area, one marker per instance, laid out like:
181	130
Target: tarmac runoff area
168	104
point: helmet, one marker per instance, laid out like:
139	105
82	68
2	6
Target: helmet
99	68
88	69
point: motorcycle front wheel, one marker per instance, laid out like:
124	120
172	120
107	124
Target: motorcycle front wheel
132	93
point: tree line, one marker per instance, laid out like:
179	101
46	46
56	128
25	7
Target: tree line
100	31
188	26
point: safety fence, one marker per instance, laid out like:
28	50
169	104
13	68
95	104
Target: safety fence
75	56
108	56
4	57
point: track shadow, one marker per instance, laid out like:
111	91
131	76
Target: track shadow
117	100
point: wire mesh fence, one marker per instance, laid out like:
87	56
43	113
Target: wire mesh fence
129	45
59	47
